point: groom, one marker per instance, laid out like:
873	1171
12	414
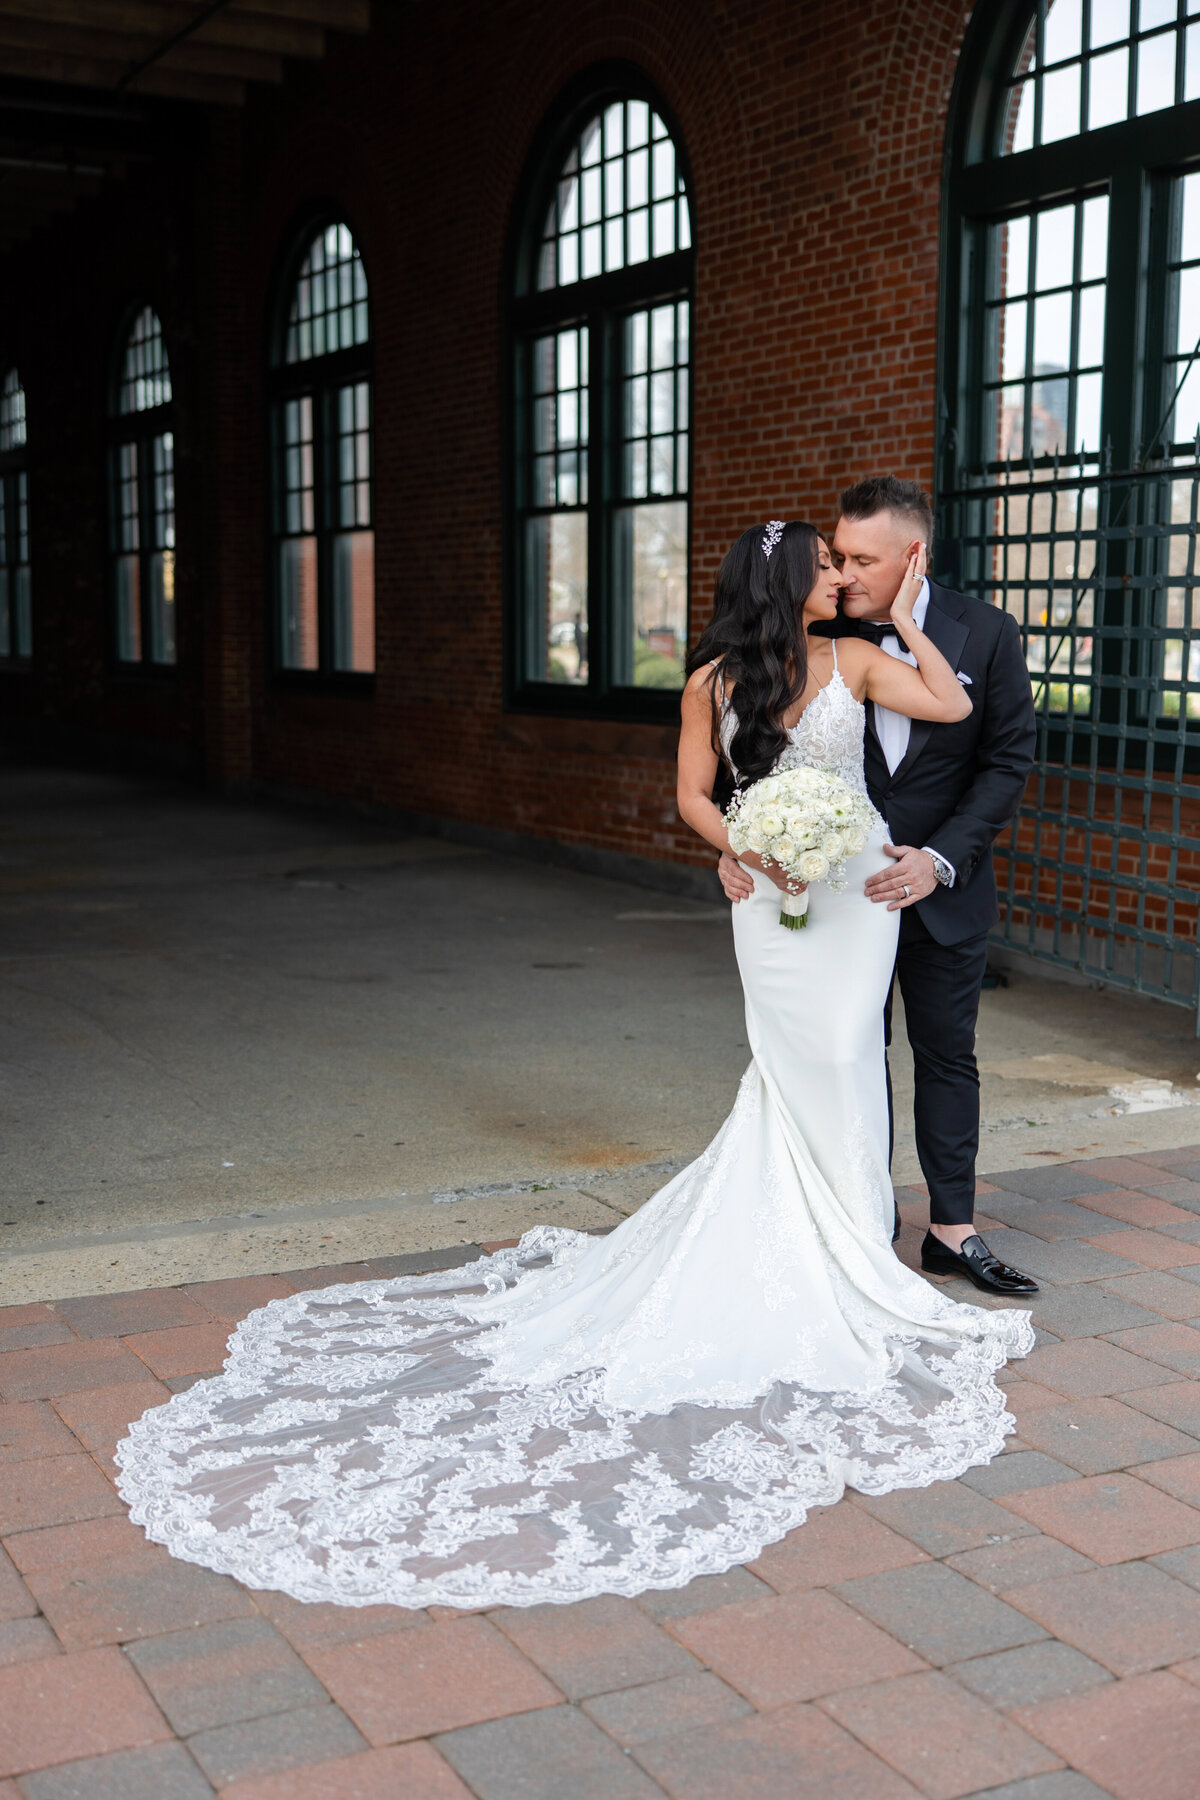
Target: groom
946	791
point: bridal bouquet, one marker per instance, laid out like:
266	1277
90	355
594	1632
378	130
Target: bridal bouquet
805	821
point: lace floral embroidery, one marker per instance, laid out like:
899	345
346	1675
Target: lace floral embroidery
419	1479
828	734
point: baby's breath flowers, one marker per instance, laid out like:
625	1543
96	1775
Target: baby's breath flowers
807	823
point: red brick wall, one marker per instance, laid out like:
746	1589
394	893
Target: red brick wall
814	134
1115	859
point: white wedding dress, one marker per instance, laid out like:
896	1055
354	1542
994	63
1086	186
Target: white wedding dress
602	1415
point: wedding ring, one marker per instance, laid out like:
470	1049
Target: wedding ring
906	893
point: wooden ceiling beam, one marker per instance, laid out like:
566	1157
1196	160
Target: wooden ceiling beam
128	44
20	174
195	57
98	72
335	15
172	83
125	51
158	20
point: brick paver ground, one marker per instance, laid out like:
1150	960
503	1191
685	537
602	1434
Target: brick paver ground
1030	1632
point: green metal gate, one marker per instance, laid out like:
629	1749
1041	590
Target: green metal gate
1100	871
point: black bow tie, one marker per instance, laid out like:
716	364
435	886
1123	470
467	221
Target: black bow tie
875	634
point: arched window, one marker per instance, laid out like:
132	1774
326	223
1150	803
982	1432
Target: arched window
16	616
322	509
601	364
142	497
1069	468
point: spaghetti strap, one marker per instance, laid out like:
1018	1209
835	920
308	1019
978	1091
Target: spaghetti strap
833	641
716	664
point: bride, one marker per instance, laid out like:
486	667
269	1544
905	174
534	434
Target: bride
602	1415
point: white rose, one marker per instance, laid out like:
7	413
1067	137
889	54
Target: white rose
771	825
856	842
767	788
834	845
783	849
813	866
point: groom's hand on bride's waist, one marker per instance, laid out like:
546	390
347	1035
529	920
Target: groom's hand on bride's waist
738	885
909	879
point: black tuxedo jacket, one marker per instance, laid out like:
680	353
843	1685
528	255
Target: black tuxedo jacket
959	785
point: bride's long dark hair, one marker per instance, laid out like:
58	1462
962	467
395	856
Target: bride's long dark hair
756	637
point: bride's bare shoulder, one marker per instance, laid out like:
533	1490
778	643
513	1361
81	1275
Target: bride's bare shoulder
855	657
708	682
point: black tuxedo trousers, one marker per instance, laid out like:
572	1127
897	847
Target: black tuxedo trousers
940	985
955	790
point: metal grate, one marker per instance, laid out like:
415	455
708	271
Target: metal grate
1100	870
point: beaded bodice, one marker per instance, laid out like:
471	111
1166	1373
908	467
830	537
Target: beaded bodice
829	734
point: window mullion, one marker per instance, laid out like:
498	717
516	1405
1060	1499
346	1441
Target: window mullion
599	509
7	564
145	504
1123	370
1073	355
1163	200
1121	433
323	496
522	490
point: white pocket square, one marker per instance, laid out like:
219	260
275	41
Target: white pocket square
965	679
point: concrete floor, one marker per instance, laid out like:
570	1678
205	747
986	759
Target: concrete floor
242	1039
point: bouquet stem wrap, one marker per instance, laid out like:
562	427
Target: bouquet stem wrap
794	911
806	822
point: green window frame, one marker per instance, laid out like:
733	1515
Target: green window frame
1075	124
1066	110
322	522
600	400
141	489
16	613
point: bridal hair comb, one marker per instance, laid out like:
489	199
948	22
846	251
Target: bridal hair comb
772	535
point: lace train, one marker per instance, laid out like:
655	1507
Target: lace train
355	1451
384	1442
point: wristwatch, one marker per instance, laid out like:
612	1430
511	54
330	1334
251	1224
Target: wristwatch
941	868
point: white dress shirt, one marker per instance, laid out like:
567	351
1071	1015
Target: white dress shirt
893	728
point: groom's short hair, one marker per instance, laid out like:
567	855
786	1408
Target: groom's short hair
890	493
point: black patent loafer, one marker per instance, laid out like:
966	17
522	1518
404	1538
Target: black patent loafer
896	1225
977	1263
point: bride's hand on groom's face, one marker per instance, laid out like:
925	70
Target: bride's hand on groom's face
910	588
